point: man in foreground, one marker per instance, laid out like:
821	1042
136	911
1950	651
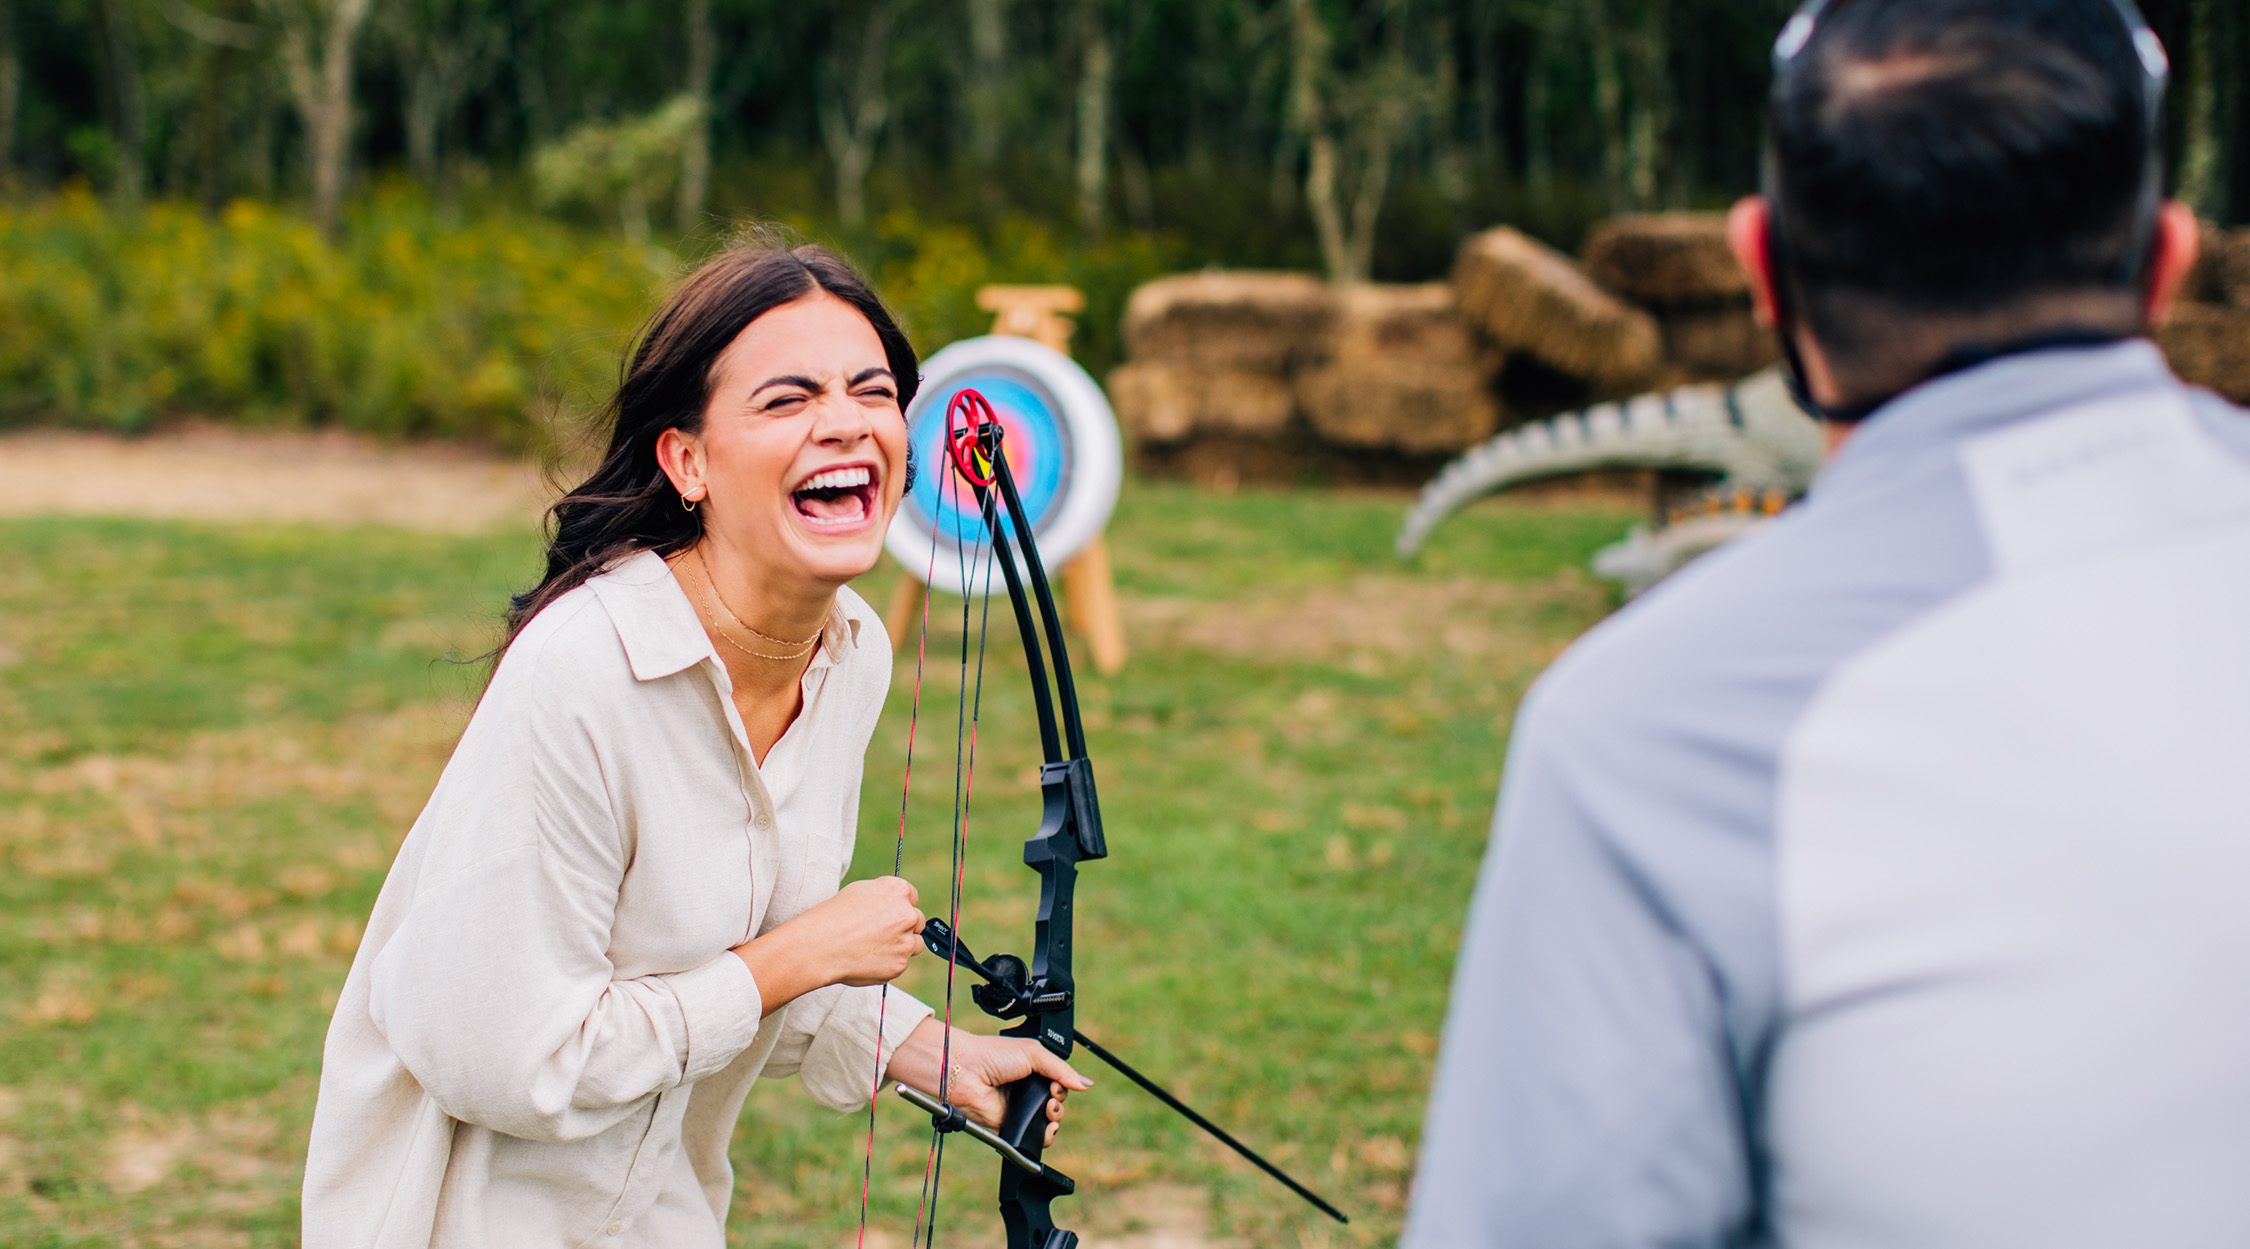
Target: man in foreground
1884	880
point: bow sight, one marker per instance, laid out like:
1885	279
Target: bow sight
1040	992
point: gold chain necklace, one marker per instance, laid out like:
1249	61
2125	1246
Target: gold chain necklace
712	597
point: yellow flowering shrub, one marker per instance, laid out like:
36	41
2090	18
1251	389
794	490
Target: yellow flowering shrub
403	326
410	325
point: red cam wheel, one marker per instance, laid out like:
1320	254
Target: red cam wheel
965	419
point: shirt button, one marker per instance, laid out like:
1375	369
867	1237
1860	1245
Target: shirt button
615	1229
763	820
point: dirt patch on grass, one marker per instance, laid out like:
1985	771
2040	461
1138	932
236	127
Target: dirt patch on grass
1152	1216
231	1148
1375	617
1139	1216
223	475
233	868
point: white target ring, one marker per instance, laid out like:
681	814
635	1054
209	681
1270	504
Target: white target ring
1062	447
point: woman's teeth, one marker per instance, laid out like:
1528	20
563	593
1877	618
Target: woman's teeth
839	496
838	479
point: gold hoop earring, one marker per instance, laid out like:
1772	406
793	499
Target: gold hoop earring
687	504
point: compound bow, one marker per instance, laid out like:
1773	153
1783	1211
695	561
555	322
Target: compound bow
1040	992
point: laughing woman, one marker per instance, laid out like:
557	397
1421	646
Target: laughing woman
620	907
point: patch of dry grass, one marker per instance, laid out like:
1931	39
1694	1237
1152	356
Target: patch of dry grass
213	739
193	914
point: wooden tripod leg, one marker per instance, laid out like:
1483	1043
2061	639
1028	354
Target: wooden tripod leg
1091	590
905	610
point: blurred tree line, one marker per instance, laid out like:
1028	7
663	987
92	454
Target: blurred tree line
1361	136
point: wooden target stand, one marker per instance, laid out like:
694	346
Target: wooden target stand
1042	314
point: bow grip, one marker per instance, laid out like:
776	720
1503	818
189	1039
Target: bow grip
1024	1124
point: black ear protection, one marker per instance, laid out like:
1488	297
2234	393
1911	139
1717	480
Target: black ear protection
1797	35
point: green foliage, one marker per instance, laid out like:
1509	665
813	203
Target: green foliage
625	164
929	273
415	324
406	326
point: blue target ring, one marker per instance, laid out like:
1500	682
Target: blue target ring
1062	447
1036	441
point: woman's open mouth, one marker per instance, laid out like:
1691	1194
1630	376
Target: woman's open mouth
840	498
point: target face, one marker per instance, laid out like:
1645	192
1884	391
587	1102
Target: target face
1062	447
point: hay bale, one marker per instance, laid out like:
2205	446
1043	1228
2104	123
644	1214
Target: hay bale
1254	322
1666	259
1717	344
1404	371
1159	403
1528	297
2226	258
2205	283
1402	407
1419	323
2209	345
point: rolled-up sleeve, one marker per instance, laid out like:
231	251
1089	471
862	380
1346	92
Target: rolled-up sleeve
829	1040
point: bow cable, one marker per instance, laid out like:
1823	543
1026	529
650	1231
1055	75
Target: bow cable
964	785
898	863
969	706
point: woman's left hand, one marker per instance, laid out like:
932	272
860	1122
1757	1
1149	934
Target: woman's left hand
983	1067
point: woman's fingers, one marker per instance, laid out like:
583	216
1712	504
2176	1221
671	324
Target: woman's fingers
1044	1062
1055	1111
869	929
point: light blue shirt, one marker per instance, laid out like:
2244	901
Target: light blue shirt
1883	880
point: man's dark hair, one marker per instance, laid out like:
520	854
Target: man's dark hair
1954	157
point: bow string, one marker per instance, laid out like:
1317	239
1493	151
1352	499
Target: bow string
1040	992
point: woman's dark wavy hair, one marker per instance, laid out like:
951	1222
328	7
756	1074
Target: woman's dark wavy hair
628	504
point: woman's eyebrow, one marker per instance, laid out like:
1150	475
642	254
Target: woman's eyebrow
866	374
805	382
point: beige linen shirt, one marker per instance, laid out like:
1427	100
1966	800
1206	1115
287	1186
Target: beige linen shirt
545	1038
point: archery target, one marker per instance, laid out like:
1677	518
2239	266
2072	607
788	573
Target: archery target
1062	446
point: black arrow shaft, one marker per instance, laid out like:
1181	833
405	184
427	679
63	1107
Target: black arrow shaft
944	942
1188	1112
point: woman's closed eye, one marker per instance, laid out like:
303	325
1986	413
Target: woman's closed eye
874	386
784	395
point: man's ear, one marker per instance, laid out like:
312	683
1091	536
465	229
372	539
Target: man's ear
1749	225
2173	250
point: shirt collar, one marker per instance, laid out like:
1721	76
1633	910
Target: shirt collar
659	628
1938	415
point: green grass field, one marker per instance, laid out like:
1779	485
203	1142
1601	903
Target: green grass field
213	738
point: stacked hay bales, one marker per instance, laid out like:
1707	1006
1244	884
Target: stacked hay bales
2207	337
1211	358
1678	266
1281	376
1526	297
1234	375
1401	371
